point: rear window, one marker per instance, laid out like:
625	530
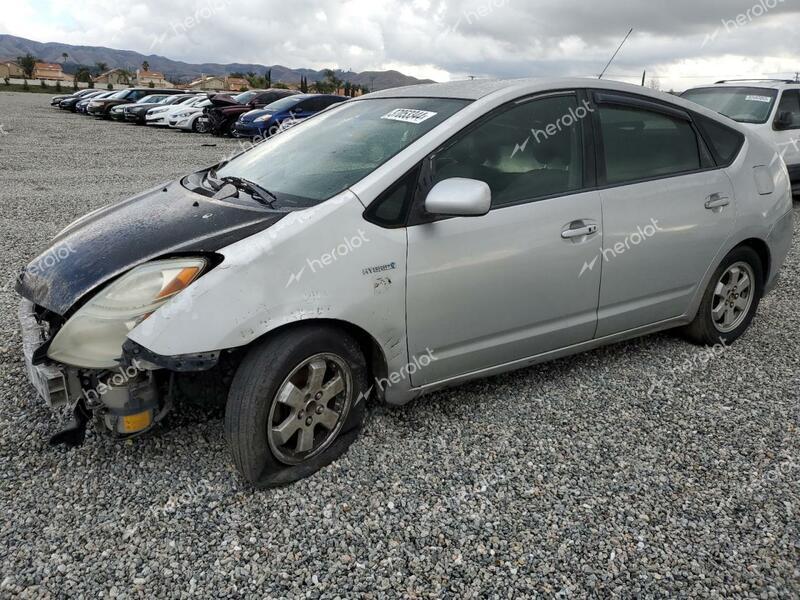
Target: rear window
724	142
742	104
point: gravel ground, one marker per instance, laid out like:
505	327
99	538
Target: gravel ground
580	477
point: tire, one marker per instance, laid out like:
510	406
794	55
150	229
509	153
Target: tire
706	329
266	442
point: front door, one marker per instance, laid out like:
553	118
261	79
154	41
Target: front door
521	280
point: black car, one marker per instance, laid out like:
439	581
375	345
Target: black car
101	108
70	103
56	100
135	113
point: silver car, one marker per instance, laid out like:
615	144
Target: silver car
400	243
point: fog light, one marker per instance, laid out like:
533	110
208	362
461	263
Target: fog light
136	423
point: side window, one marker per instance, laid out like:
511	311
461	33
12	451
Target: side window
530	151
790	103
725	142
640	144
391	208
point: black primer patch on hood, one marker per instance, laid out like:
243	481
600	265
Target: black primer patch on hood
111	240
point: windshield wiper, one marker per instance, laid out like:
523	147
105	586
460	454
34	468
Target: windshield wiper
256	191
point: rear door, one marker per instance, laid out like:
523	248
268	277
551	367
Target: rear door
485	291
667	211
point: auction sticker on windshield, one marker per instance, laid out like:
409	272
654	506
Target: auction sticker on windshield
409	115
766	99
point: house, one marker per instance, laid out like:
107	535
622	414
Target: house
114	77
234	84
50	71
145	78
10	68
208	82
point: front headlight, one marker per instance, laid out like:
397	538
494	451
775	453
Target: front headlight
263	118
93	337
183	115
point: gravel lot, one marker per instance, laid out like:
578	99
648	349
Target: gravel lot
579	477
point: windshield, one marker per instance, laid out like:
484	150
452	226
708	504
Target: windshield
244	97
283	104
121	94
743	104
151	99
337	148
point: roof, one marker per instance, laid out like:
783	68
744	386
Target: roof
468	90
771	84
150	74
44	65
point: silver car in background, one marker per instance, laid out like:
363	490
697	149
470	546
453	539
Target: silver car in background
403	242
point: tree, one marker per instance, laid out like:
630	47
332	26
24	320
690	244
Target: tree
347	89
145	66
124	75
58	86
65	56
268	78
101	67
304	84
331	82
27	63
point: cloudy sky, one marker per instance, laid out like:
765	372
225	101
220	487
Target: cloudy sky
680	43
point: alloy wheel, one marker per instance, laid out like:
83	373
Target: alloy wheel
310	408
733	297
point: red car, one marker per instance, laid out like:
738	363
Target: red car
225	110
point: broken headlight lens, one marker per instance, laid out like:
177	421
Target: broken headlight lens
93	337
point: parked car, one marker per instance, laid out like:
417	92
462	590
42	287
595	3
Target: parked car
136	112
71	102
101	108
768	106
264	122
220	118
403	242
160	115
56	100
190	119
83	103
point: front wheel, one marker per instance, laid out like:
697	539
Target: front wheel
295	405
730	301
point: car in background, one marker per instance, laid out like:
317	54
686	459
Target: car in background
71	102
768	106
189	119
159	116
101	108
267	121
83	103
136	112
475	251
56	100
220	118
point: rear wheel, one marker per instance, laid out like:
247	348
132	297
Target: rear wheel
730	301
295	404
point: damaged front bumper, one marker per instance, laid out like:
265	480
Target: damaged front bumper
127	401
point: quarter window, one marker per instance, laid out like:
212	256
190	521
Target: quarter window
532	150
640	144
790	103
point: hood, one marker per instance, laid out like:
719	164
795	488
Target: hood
111	240
222	100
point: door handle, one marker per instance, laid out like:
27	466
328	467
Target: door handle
579	232
717	201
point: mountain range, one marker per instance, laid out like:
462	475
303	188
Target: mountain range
178	71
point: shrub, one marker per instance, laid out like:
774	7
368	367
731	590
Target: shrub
58	86
109	87
7	80
91	84
151	84
25	84
43	84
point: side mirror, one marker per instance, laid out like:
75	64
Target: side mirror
458	197
783	120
